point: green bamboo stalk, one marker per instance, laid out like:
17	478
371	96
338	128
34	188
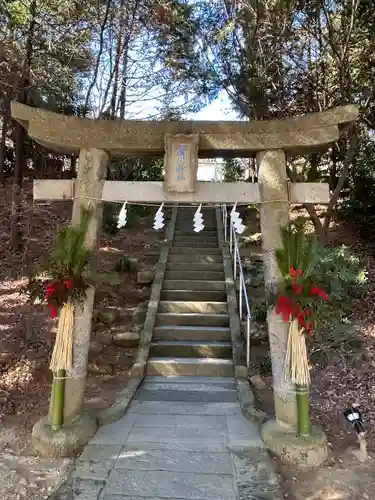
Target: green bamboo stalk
302	396
58	391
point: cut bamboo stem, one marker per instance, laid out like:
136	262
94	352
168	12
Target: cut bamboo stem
297	371
61	362
58	391
302	396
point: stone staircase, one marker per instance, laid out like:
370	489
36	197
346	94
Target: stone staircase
192	335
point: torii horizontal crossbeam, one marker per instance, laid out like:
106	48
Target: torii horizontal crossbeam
70	134
207	192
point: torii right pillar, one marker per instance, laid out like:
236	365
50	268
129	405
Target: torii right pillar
274	214
280	435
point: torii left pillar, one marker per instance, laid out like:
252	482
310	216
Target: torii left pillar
78	428
91	175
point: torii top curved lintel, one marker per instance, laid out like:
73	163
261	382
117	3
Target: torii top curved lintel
69	134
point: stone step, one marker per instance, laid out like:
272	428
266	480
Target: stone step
189	222
190	217
196	295
203	392
170	383
190	319
189	229
203	251
196	237
195	244
194	257
207	232
206	266
176	380
201	367
175	332
191	349
183	306
194	240
193	285
194	275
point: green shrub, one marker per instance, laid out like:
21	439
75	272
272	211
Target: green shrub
343	276
341	273
265	366
254	273
258	311
110	216
124	264
111	212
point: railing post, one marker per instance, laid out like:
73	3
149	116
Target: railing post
230	236
240	298
248	340
225	222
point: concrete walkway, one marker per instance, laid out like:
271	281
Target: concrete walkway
182	438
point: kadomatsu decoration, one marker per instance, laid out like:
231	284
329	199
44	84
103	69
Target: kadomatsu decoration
297	304
65	286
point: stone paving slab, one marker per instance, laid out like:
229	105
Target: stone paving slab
126	497
178	461
189	380
101	452
88	469
168	484
187	396
177	432
176	386
166	443
176	408
243	441
194	421
173	450
116	433
238	424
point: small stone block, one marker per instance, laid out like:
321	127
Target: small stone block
258	382
255	476
78	489
304	452
145	277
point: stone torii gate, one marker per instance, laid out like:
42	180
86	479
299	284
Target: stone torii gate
182	143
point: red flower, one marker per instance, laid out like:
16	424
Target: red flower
318	291
301	319
285	307
50	290
297	289
68	284
295	273
52	311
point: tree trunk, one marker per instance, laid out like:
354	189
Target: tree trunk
4	129
73	166
352	145
20	136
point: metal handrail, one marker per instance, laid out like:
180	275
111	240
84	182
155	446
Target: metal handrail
233	245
